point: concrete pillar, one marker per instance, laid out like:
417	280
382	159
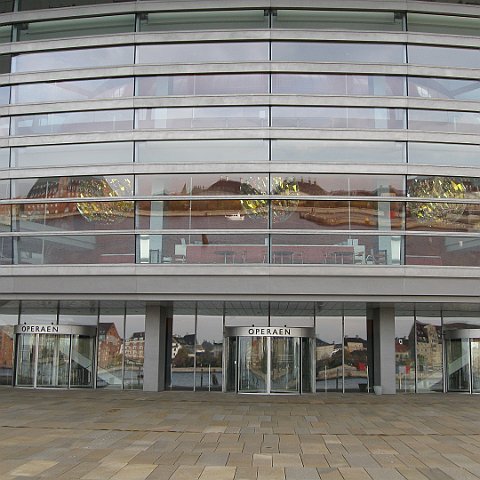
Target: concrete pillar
157	348
383	330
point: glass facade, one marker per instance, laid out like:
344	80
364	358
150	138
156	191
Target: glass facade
207	149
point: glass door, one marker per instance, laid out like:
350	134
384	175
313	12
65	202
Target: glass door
26	360
284	365
81	368
253	362
53	360
475	362
458	365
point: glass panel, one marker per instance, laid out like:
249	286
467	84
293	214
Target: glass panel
186	151
458	369
443	24
337	52
203	248
4	126
8	318
200	117
201	184
71	90
134	347
79	154
285	365
38	312
252	364
337	214
5	63
453	217
328	347
44	4
4	189
246	313
429	352
339	84
71	122
5	32
444	121
292	314
338	117
475	346
451	88
76	27
68	59
197	215
7	6
110	345
209	349
219	84
82	368
355	352
53	360
25	353
51	217
202	52
337	249
337	19
443	154
6	250
211	20
231	364
405	353
455	188
89	249
443	250
330	151
308	350
101	186
78	312
4	95
183	348
344	185
444	56
4	157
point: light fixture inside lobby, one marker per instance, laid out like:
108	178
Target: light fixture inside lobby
105	212
440	188
281	186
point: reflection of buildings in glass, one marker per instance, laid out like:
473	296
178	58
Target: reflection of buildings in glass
109	345
355	356
135	347
6	348
429	345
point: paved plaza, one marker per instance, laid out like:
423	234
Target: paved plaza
133	435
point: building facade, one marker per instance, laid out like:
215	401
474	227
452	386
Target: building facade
246	196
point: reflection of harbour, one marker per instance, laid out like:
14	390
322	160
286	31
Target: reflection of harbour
183	378
351	383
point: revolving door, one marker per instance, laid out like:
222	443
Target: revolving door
462	350
55	356
269	360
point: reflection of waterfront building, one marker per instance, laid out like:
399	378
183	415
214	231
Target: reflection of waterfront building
135	347
195	167
109	345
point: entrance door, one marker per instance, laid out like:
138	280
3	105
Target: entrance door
55	360
475	362
458	365
268	365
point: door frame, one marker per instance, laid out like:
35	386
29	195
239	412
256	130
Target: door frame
56	330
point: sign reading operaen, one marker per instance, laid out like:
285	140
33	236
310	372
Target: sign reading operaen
39	329
270	331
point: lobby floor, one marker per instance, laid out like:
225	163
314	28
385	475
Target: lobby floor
99	435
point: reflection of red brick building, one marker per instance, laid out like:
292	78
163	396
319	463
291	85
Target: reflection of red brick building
134	347
109	345
6	347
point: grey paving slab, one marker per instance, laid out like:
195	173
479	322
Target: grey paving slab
89	435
